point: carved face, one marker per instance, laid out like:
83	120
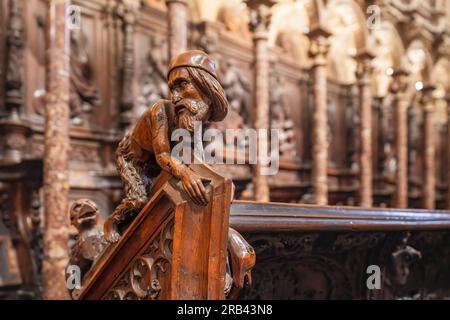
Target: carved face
83	214
189	102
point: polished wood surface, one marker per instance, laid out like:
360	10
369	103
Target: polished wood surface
190	247
248	216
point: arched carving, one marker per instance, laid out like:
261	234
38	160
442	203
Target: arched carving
441	79
289	23
235	19
349	36
420	62
387	46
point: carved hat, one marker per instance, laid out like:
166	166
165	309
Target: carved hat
195	59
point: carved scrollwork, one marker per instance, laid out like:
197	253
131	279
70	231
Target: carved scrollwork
286	245
348	241
144	280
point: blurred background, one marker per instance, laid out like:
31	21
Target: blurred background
359	89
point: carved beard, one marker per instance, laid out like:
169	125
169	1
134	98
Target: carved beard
191	111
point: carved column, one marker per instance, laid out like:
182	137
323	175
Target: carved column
126	10
399	88
318	52
178	26
57	144
259	22
363	74
429	165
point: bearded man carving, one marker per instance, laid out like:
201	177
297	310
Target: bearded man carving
196	95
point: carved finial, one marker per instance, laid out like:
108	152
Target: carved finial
319	45
400	82
428	98
364	67
260	14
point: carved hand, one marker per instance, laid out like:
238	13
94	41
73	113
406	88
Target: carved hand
111	233
193	185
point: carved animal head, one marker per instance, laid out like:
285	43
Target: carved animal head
83	214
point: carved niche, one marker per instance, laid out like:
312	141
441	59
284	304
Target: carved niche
153	84
84	95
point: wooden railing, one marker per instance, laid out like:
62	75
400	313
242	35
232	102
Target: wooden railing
177	250
331	252
173	249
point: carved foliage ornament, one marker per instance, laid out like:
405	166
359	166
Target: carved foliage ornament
145	279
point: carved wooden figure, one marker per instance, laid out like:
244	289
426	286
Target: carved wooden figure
90	242
169	234
196	96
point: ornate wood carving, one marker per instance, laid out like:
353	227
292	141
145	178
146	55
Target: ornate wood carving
83	93
280	118
237	88
14	72
148	276
127	14
153	85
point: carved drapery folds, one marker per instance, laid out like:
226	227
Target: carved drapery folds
83	93
148	274
153	79
237	88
